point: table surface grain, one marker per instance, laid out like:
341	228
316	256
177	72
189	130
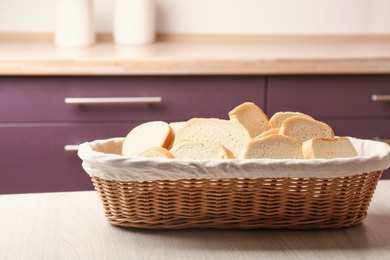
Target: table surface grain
71	225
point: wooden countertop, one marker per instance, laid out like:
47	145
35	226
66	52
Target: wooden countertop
71	225
246	55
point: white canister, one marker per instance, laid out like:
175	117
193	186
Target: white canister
75	23
134	21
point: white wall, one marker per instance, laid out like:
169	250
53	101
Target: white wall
222	16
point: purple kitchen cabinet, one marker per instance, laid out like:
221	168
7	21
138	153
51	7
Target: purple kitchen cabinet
374	129
343	101
29	99
36	124
329	95
33	158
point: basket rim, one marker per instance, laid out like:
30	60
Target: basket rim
373	156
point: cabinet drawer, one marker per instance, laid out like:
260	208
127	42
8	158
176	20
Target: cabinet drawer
33	158
329	96
33	99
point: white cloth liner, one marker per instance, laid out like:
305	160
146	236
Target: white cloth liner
101	158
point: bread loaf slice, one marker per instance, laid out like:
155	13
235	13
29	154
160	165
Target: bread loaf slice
251	116
328	148
230	134
157	151
303	128
147	135
175	126
277	119
273	147
271	131
199	150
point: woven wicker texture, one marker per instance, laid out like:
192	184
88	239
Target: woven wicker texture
295	203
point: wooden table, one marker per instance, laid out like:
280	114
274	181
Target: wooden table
72	226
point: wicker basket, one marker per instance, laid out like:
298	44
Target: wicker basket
246	203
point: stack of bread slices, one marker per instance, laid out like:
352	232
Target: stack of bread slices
248	134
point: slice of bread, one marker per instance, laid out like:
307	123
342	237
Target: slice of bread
271	131
147	135
199	150
156	152
303	128
273	147
251	116
277	119
229	134
176	125
328	148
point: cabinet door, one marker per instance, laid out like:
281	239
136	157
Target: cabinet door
345	101
374	129
342	101
329	95
41	99
33	158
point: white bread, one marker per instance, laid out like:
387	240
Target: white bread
271	131
328	148
277	119
303	128
147	135
175	126
251	116
229	134
199	150
274	147
156	151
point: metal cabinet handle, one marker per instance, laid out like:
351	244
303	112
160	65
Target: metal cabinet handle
71	147
383	98
112	100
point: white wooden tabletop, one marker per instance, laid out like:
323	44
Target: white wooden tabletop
71	225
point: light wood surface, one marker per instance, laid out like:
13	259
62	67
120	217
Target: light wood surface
72	226
199	55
